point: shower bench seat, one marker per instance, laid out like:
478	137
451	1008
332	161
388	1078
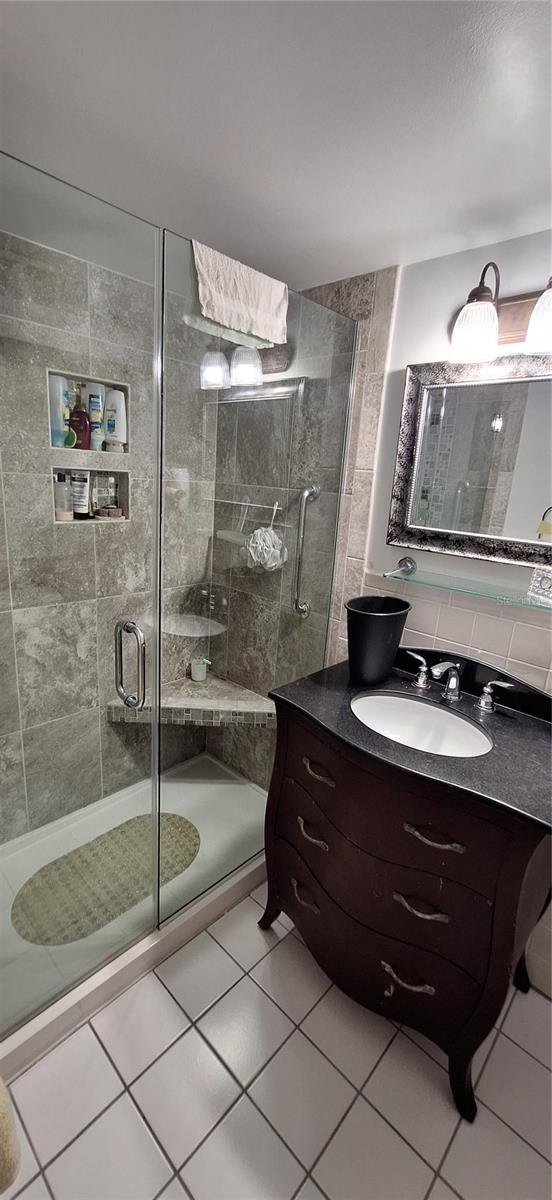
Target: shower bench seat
215	702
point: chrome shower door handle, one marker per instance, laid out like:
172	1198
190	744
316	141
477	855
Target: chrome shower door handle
127	626
302	607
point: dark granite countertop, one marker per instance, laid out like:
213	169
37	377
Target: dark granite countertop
514	774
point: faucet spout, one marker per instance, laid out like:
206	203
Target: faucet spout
452	686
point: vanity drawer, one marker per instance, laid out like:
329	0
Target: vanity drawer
395	815
419	908
405	983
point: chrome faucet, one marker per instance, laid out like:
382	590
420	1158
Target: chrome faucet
452	687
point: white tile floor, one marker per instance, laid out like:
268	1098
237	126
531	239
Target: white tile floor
236	1071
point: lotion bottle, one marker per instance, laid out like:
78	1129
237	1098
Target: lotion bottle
115	421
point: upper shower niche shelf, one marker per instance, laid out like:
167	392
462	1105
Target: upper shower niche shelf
66	394
474	587
215	702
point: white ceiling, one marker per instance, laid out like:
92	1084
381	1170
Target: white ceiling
311	140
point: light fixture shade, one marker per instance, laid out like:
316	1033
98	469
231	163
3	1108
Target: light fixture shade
538	339
245	367
214	371
475	334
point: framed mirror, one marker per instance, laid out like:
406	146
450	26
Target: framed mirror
474	462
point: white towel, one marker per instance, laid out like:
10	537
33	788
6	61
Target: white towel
237	297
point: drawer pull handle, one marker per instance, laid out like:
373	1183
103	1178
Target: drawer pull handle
307	836
426	988
456	847
424	916
327	779
306	903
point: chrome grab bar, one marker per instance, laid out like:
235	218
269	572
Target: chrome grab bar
302	607
127	626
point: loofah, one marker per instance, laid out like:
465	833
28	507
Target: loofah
10	1153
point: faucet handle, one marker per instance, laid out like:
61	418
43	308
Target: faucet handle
422	678
486	700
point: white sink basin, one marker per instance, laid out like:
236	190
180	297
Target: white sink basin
421	724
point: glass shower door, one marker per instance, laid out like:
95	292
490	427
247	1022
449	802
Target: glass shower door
78	496
236	461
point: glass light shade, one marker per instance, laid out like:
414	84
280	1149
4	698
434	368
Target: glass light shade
538	339
245	367
475	334
214	371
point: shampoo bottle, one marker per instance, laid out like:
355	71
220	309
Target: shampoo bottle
79	422
115	420
94	397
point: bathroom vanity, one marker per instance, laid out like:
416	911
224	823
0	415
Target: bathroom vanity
415	878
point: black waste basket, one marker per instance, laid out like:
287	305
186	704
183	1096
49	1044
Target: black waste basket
374	628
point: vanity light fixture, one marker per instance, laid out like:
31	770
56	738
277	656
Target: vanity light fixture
245	367
475	334
538	339
497	423
214	371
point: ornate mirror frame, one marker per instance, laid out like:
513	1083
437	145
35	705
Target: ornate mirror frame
507	369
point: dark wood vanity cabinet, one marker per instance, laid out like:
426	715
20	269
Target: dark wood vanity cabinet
415	898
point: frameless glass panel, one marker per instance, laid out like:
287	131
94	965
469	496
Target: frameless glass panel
237	462
77	495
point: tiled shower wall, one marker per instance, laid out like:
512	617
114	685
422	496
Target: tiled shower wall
62	588
269	449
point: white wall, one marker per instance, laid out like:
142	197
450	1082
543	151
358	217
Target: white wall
429	293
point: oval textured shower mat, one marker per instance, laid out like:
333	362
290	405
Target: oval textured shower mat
82	891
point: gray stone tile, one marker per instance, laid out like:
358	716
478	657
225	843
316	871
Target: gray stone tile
177	743
187	531
376	339
121	309
177	650
13	810
37	284
9	706
181	340
341	555
360	513
262	443
122	364
62	766
48	563
250	751
56	650
26	351
124	552
353	297
190	423
125	752
300	648
225	465
252	641
324	331
310	412
372	394
5	597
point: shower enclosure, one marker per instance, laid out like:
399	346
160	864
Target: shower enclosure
127	789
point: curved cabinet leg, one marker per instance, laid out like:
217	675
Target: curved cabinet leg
521	977
271	911
461	1086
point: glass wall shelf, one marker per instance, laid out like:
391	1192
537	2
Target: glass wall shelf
476	587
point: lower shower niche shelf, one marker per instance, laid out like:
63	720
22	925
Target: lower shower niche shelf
215	702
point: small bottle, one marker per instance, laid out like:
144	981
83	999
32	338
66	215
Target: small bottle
79	422
80	488
94	398
115	421
63	497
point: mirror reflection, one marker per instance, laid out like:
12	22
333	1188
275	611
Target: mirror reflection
484	461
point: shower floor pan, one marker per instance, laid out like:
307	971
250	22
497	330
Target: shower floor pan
228	812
